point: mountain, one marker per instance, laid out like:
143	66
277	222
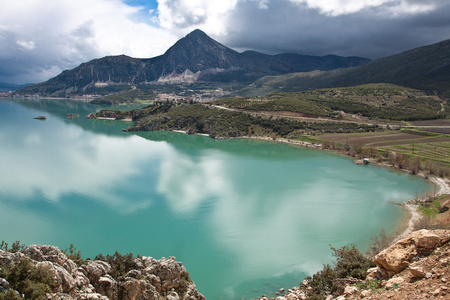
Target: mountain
196	57
7	87
426	68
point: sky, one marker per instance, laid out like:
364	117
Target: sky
41	38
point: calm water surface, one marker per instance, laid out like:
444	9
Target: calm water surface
245	217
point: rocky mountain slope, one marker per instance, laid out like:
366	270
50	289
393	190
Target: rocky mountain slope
426	68
151	279
196	57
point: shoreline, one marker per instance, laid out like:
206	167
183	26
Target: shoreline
406	224
413	208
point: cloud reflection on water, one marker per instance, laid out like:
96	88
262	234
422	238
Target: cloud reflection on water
72	161
268	215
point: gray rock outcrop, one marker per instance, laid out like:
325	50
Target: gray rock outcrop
152	279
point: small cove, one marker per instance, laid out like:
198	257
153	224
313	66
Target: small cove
246	217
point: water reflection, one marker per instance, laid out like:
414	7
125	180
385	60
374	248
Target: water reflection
58	162
243	210
186	183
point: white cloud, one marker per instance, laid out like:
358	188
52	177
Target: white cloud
187	184
94	175
58	35
30	45
39	38
186	15
342	7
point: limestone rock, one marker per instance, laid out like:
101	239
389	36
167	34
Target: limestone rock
7	258
398	256
393	282
350	290
365	293
132	289
417	271
96	269
52	254
108	286
173	296
153	279
4	285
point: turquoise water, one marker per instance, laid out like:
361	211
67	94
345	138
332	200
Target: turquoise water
245	217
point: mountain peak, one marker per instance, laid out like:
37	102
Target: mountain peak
197	39
196	34
195	57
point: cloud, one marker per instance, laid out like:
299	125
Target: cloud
323	27
339	7
186	15
30	45
40	39
93	175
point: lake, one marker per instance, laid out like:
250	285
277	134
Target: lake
246	217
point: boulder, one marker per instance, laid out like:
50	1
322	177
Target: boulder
52	254
4	285
400	255
394	282
138	289
173	296
96	269
417	271
108	286
350	290
7	258
365	293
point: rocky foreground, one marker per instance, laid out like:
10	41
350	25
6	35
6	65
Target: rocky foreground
152	279
417	267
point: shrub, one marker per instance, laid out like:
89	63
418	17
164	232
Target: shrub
30	281
349	263
74	255
120	264
15	247
10	295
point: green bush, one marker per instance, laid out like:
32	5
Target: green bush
15	247
120	264
349	263
75	255
30	281
10	295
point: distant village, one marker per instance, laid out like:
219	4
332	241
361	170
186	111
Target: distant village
188	95
182	96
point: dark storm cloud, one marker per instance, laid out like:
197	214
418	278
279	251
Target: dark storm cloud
371	32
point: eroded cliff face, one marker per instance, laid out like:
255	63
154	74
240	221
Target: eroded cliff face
152	279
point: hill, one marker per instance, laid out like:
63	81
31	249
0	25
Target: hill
196	57
373	101
7	87
426	68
